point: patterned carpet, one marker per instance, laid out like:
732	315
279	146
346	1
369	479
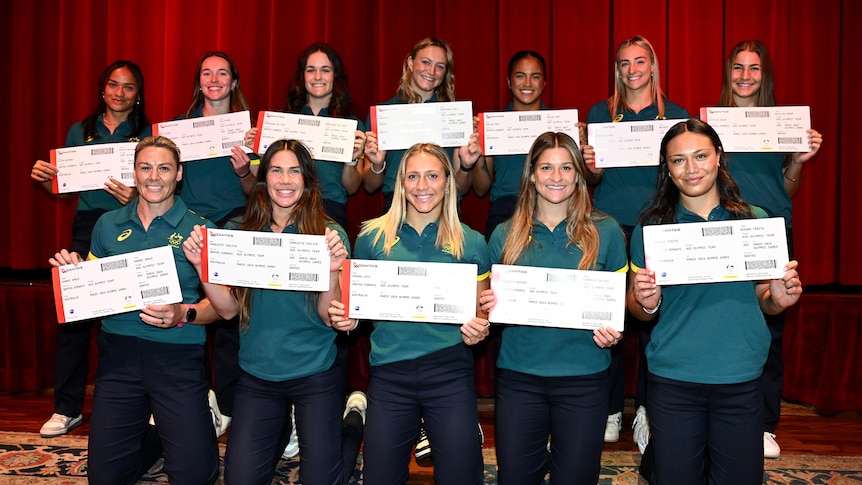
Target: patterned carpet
26	458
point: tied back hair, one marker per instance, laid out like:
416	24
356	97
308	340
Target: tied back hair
617	102
237	98
445	91
449	234
137	117
580	216
308	213
662	206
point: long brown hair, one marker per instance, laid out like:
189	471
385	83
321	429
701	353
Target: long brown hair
340	102
237	99
766	94
580	216
664	202
308	214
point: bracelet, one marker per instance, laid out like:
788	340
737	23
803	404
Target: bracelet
652	312
244	176
791	179
352	163
354	327
381	168
464	169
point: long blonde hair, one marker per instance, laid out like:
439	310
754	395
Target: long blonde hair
445	91
618	99
580	216
450	233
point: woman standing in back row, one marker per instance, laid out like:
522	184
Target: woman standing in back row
623	192
767	180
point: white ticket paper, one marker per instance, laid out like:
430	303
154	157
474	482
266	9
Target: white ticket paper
631	144
400	126
409	291
274	261
715	252
207	137
513	132
771	129
554	297
326	138
116	284
90	167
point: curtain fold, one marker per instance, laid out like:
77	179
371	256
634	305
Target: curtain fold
58	48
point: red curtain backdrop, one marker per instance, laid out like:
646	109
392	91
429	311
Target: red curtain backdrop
56	50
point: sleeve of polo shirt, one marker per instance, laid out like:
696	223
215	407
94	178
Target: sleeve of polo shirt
637	248
616	259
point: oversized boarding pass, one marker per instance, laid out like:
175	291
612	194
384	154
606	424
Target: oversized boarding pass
715	252
554	297
513	132
409	291
207	137
116	284
630	144
762	129
400	126
90	167
325	138
274	261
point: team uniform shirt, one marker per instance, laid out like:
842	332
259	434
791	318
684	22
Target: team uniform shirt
121	231
286	323
761	182
508	170
399	341
624	191
393	157
329	173
706	333
100	199
557	352
210	187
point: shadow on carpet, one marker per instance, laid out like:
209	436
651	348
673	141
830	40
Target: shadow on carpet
27	458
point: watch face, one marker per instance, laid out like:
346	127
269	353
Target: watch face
191	314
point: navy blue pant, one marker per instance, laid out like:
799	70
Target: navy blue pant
261	428
772	379
706	433
138	377
438	388
572	410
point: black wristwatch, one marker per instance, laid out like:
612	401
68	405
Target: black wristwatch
191	314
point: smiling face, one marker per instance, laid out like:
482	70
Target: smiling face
319	76
692	162
121	91
745	78
156	174
527	82
425	185
284	182
554	176
216	81
635	66
428	69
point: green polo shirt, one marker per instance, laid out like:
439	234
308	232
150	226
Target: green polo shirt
624	191
100	199
210	187
399	341
761	182
121	231
329	173
557	352
286	338
706	333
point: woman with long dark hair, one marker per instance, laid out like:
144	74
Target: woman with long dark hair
710	340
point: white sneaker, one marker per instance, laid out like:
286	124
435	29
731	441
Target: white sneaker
221	422
59	424
612	428
292	448
770	446
641	428
356	401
